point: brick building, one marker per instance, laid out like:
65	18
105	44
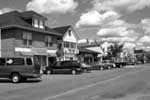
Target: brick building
24	34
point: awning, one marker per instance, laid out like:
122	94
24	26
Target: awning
27	53
52	53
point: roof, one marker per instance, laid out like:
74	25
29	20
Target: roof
62	29
87	51
29	14
15	19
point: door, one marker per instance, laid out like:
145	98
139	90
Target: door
37	63
2	67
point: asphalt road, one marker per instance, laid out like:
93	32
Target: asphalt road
118	84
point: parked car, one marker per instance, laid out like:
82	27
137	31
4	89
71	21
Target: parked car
120	64
105	64
19	69
72	67
85	67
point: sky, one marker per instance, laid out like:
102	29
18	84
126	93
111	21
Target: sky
124	21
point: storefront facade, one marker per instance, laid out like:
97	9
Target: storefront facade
28	37
69	43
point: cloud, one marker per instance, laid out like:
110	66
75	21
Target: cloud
52	6
115	32
6	10
145	39
128	5
119	39
94	18
146	25
91	18
129	45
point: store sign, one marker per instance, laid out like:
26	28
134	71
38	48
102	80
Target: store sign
70	51
39	51
19	49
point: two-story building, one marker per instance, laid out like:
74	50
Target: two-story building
69	43
24	34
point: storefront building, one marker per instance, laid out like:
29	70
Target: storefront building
69	43
24	34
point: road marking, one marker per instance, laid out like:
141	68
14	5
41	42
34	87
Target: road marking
89	86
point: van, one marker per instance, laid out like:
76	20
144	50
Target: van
19	69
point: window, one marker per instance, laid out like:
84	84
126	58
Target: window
29	61
35	23
15	61
38	23
69	32
73	45
66	44
2	61
41	24
27	38
48	41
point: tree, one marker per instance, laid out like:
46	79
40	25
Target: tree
114	50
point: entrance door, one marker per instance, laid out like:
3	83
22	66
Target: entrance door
37	63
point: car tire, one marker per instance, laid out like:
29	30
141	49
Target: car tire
109	67
121	66
73	72
15	78
101	68
48	72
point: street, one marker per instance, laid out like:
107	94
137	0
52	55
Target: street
130	83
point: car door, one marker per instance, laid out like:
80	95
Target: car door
3	67
56	68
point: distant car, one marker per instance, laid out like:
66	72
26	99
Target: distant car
85	67
105	64
72	67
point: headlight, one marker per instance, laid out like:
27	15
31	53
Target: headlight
114	65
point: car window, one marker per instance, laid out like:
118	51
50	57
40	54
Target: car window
2	61
58	64
29	61
15	61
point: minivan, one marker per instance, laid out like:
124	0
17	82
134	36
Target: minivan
19	69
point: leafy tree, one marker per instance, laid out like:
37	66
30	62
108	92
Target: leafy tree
114	50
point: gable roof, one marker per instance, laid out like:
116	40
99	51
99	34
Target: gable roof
62	29
15	19
29	14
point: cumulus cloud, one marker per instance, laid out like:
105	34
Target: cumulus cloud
119	39
50	6
145	39
5	10
90	18
146	25
116	32
94	18
129	45
129	5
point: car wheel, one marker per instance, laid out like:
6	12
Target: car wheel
109	67
73	72
48	72
121	66
101	68
15	78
